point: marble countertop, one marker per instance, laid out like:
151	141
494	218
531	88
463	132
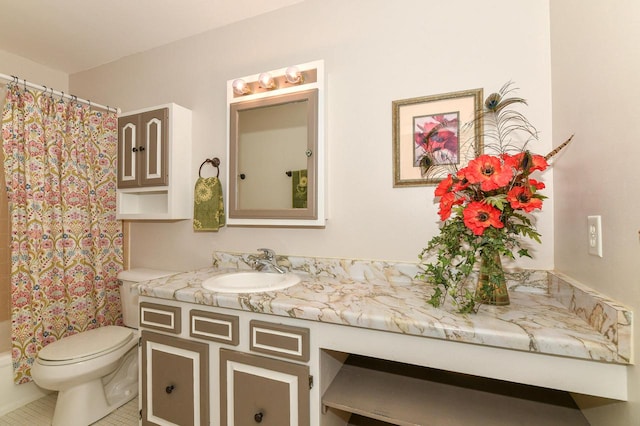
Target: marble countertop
549	315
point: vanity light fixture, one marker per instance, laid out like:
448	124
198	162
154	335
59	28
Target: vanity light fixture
266	81
240	87
293	75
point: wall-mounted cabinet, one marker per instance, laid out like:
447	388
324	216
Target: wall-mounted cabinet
154	163
142	149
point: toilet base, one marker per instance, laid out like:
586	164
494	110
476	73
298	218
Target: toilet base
88	402
80	405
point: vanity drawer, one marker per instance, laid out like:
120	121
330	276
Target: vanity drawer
213	326
160	317
281	340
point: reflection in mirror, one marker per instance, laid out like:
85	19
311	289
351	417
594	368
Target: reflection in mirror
272	144
276	158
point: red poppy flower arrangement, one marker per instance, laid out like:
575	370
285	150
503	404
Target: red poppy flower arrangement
485	207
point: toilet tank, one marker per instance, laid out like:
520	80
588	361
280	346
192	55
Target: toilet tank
129	281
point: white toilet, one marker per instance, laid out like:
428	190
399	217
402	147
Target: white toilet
96	371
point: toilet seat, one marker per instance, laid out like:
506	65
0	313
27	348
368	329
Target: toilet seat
85	346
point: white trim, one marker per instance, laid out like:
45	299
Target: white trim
192	355
131	126
228	324
159	312
158	146
294	336
288	379
321	172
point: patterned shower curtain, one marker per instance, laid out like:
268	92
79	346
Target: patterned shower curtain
66	245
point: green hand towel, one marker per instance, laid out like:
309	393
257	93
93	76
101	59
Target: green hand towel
299	188
208	206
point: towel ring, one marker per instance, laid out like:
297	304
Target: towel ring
215	162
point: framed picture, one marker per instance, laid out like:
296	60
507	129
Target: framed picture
434	136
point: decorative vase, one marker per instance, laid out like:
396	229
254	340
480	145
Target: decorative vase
492	285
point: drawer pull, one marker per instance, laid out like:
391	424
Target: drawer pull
169	388
258	417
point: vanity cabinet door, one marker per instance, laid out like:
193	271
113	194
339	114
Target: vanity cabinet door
142	149
175	381
258	390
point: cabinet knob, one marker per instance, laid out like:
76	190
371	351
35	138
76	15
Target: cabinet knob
134	149
141	148
258	417
169	388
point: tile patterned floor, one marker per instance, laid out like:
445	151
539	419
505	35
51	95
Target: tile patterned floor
40	413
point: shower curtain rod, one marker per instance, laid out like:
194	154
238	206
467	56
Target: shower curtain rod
41	88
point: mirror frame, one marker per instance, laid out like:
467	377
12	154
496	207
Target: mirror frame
311	91
310	212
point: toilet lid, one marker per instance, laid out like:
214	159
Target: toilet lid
87	344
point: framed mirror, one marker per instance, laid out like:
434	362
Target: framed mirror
276	150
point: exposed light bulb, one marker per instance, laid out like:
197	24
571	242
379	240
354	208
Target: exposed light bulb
266	81
240	87
293	75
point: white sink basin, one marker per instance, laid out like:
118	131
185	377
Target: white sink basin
250	282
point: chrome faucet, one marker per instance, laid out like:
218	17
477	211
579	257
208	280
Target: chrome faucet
266	262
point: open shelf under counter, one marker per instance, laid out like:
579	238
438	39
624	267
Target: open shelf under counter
379	392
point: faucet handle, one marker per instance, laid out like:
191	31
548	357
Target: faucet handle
268	253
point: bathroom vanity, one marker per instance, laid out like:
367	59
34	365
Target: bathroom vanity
356	343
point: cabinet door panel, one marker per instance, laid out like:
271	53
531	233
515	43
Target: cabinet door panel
172	383
154	147
175	381
259	390
128	140
265	397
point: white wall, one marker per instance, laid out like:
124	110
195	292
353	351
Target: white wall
375	52
595	68
33	72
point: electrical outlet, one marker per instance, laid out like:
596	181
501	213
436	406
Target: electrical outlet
595	235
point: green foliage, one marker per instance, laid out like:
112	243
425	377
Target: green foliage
490	186
450	257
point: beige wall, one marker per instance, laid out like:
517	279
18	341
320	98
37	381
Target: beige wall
595	68
24	68
379	51
375	52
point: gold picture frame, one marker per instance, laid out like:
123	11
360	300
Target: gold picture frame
434	136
